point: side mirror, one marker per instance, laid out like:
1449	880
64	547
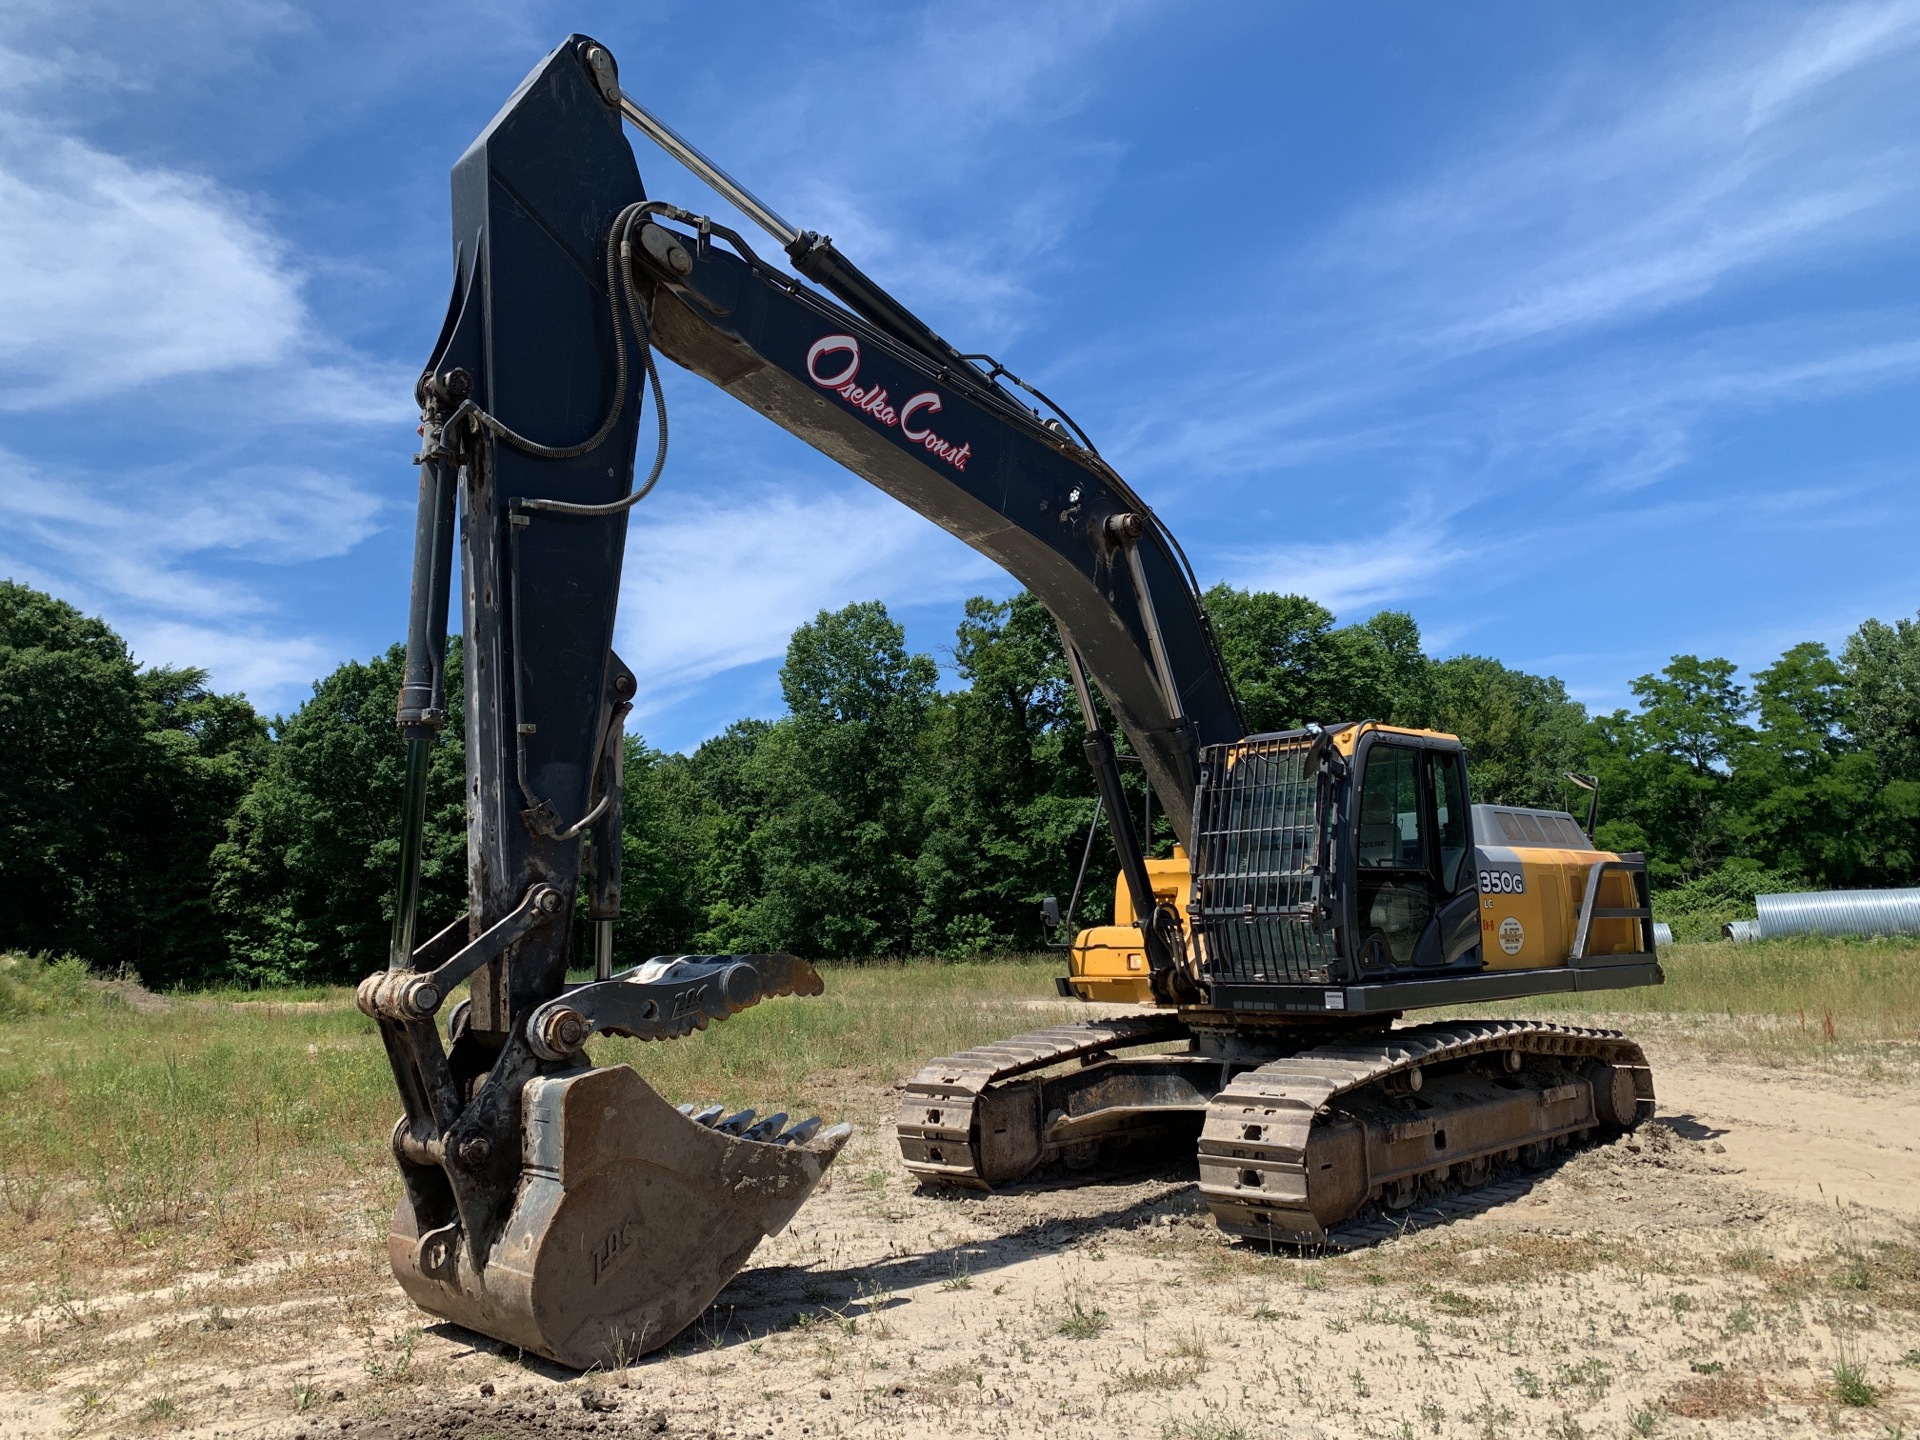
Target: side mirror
1590	784
1050	916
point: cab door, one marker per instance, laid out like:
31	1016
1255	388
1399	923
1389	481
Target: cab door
1414	901
1458	921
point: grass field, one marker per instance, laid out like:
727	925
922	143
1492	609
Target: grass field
221	1124
1871	985
148	1143
1850	1007
225	1108
228	1115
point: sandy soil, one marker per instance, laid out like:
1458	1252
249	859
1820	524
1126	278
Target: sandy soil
1679	1282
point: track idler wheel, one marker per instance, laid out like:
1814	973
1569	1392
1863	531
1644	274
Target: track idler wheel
1616	1103
630	1217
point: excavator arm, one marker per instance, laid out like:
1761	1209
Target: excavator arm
941	438
563	1207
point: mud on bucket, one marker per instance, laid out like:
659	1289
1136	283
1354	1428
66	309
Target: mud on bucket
630	1217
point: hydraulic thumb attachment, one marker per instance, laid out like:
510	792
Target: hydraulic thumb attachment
622	1216
554	1205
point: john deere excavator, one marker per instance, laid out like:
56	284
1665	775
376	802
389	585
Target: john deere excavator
1325	880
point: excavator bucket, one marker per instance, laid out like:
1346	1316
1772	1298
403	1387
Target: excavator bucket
565	1209
630	1216
568	1209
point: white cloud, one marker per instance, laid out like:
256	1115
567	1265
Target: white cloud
112	275
1617	422
1670	258
1350	577
1768	143
273	669
118	275
144	523
1628	417
1456	316
163	558
910	146
141	299
1828	46
709	587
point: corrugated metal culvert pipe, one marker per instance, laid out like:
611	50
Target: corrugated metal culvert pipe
1832	912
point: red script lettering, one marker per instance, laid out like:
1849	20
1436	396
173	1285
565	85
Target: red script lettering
833	363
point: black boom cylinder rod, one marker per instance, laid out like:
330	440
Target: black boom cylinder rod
1104	762
816	257
422	706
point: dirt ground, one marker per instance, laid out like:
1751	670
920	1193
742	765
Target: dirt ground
1724	1273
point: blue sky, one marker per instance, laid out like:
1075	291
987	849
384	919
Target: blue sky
1587	334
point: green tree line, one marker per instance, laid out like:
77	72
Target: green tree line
148	821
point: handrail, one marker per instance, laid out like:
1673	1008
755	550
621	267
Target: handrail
1634	865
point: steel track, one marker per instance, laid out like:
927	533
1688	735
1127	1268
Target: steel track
1253	1149
939	1129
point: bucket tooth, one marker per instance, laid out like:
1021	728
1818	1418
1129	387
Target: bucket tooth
629	1218
710	1114
801	1133
736	1124
768	1128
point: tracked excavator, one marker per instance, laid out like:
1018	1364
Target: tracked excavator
1325	881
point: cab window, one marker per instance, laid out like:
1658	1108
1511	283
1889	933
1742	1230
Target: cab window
1450	802
1390	834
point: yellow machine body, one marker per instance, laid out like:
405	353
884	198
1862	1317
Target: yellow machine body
1535	928
1533	868
1107	962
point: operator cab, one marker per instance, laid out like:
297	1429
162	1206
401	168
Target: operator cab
1415	901
1442	884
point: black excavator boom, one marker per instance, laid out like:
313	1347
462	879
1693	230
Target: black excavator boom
558	1206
